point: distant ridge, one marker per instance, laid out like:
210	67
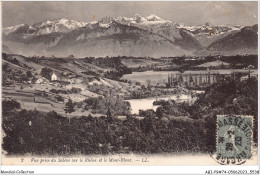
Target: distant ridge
136	36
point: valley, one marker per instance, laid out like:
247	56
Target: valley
47	83
117	104
129	83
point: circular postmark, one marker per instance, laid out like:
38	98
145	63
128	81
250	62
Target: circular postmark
233	139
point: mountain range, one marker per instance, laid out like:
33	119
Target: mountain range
137	36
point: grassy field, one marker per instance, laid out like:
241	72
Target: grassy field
42	104
217	63
133	63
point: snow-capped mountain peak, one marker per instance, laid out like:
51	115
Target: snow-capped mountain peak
209	29
106	20
138	18
62	25
59	25
11	29
153	18
61	35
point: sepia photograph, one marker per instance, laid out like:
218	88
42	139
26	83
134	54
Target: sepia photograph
129	83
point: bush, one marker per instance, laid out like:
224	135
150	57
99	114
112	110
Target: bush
46	72
9	105
75	90
59	91
100	105
59	98
41	133
163	102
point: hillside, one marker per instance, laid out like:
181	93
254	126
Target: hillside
207	33
90	78
245	41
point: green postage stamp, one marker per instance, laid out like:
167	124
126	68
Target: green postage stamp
234	138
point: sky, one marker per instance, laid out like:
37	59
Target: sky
188	13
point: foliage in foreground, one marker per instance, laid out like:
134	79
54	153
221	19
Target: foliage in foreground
40	133
227	97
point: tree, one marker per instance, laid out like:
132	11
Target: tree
24	78
8	105
109	115
160	112
143	87
29	74
5	67
46	72
69	108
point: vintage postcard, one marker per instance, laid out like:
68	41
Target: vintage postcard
129	83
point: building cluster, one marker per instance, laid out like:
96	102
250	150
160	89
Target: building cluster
61	77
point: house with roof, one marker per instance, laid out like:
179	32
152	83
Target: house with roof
54	77
39	80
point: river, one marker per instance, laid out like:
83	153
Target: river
147	103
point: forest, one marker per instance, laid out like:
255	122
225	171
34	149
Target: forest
162	131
